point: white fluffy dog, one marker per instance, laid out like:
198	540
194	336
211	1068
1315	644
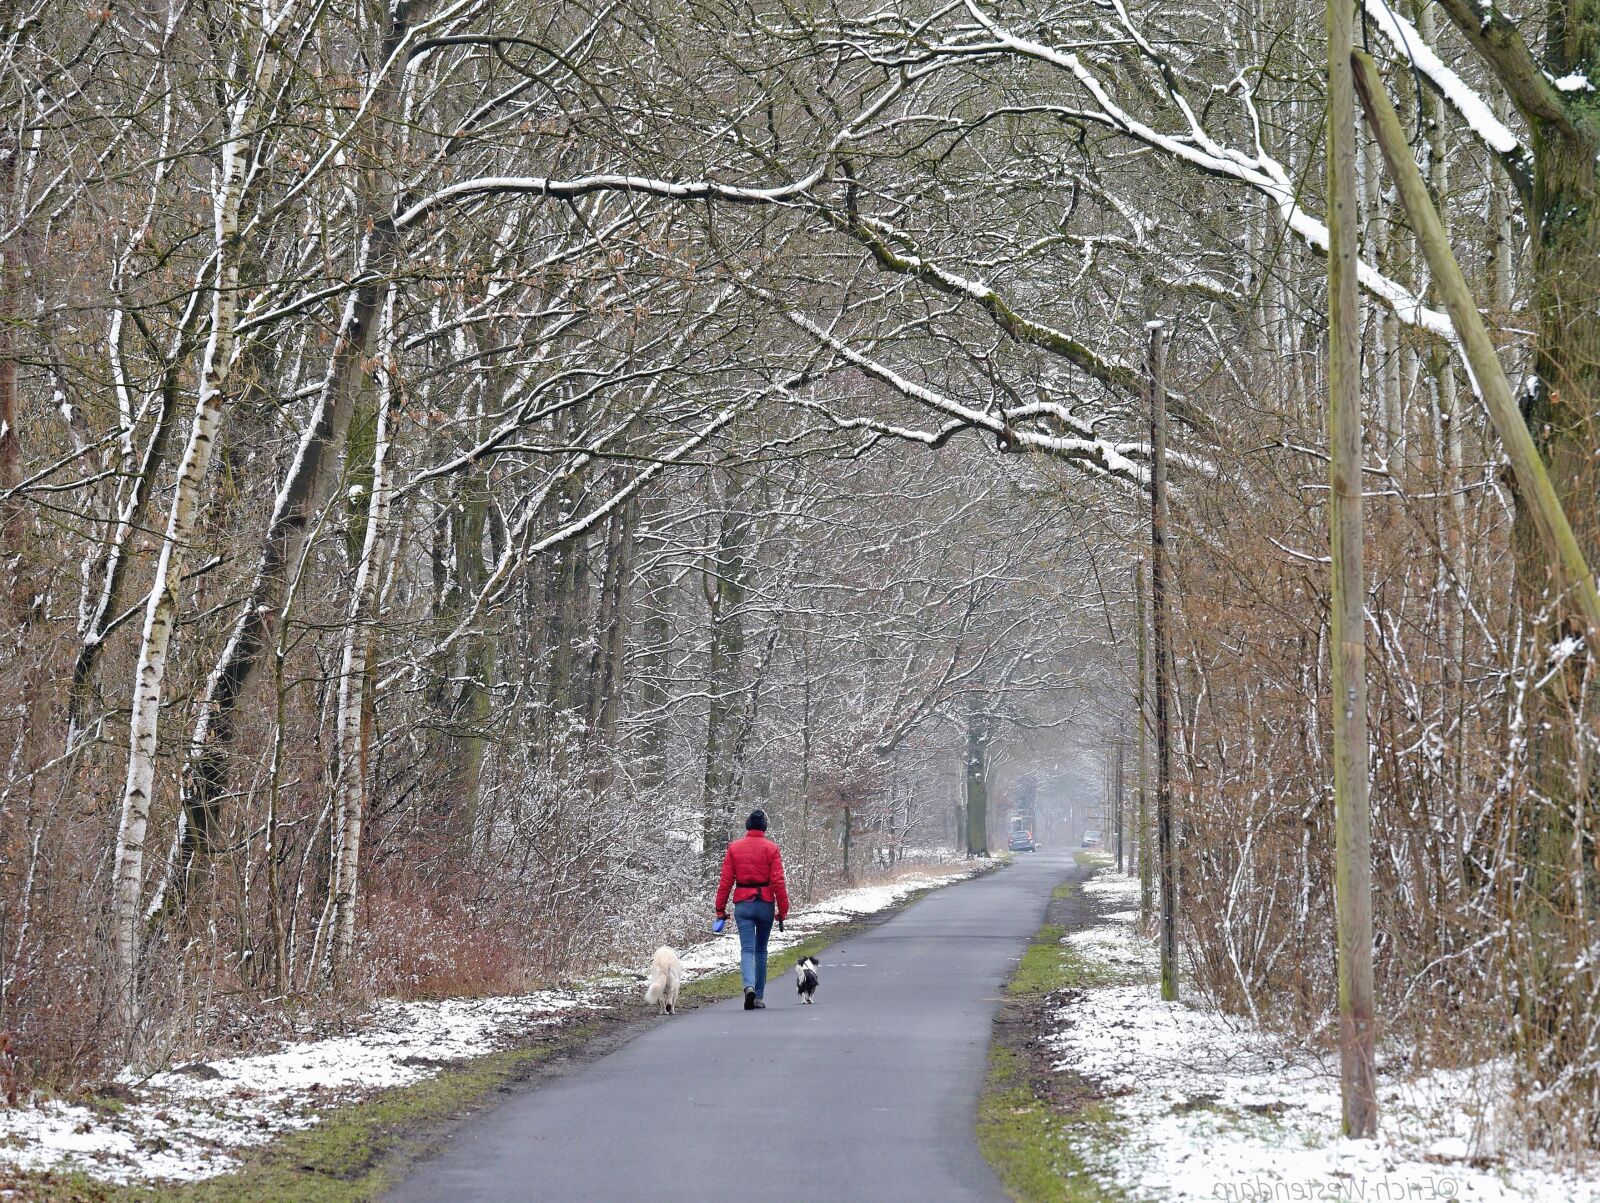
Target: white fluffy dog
666	978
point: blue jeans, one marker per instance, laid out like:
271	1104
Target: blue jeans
755	925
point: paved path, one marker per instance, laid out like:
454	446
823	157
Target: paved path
870	1094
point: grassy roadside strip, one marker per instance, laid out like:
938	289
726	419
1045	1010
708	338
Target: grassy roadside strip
1033	1123
357	1151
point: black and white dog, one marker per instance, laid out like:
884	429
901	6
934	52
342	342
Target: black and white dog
805	978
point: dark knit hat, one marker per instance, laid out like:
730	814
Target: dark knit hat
757	821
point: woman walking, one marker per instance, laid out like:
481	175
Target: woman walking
752	869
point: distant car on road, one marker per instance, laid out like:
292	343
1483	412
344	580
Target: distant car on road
1091	839
1022	841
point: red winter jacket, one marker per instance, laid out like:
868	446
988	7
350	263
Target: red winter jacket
754	859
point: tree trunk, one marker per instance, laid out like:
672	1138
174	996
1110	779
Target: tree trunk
976	764
607	669
1550	445
474	699
654	694
112	568
724	673
350	788
806	860
1160	628
1141	709
10	286
1561	886
162	606
567	590
310	478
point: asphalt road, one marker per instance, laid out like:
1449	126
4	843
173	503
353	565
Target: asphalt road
868	1094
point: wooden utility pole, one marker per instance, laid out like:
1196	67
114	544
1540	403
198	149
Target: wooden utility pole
1121	863
1352	816
1144	733
1159	632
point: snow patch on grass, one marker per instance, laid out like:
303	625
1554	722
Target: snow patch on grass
1214	1108
1112	887
191	1123
188	1123
1115	946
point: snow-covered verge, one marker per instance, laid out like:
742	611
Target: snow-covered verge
1212	1107
193	1122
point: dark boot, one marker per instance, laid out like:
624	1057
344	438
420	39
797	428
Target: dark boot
749	1000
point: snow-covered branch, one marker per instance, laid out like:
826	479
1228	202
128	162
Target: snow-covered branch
1472	107
1258	170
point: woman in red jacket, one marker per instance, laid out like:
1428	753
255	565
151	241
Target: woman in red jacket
753	870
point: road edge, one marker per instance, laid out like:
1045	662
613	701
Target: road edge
1026	1111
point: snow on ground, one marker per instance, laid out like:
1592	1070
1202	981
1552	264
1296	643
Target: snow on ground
190	1123
1112	887
1115	946
1211	1107
186	1123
